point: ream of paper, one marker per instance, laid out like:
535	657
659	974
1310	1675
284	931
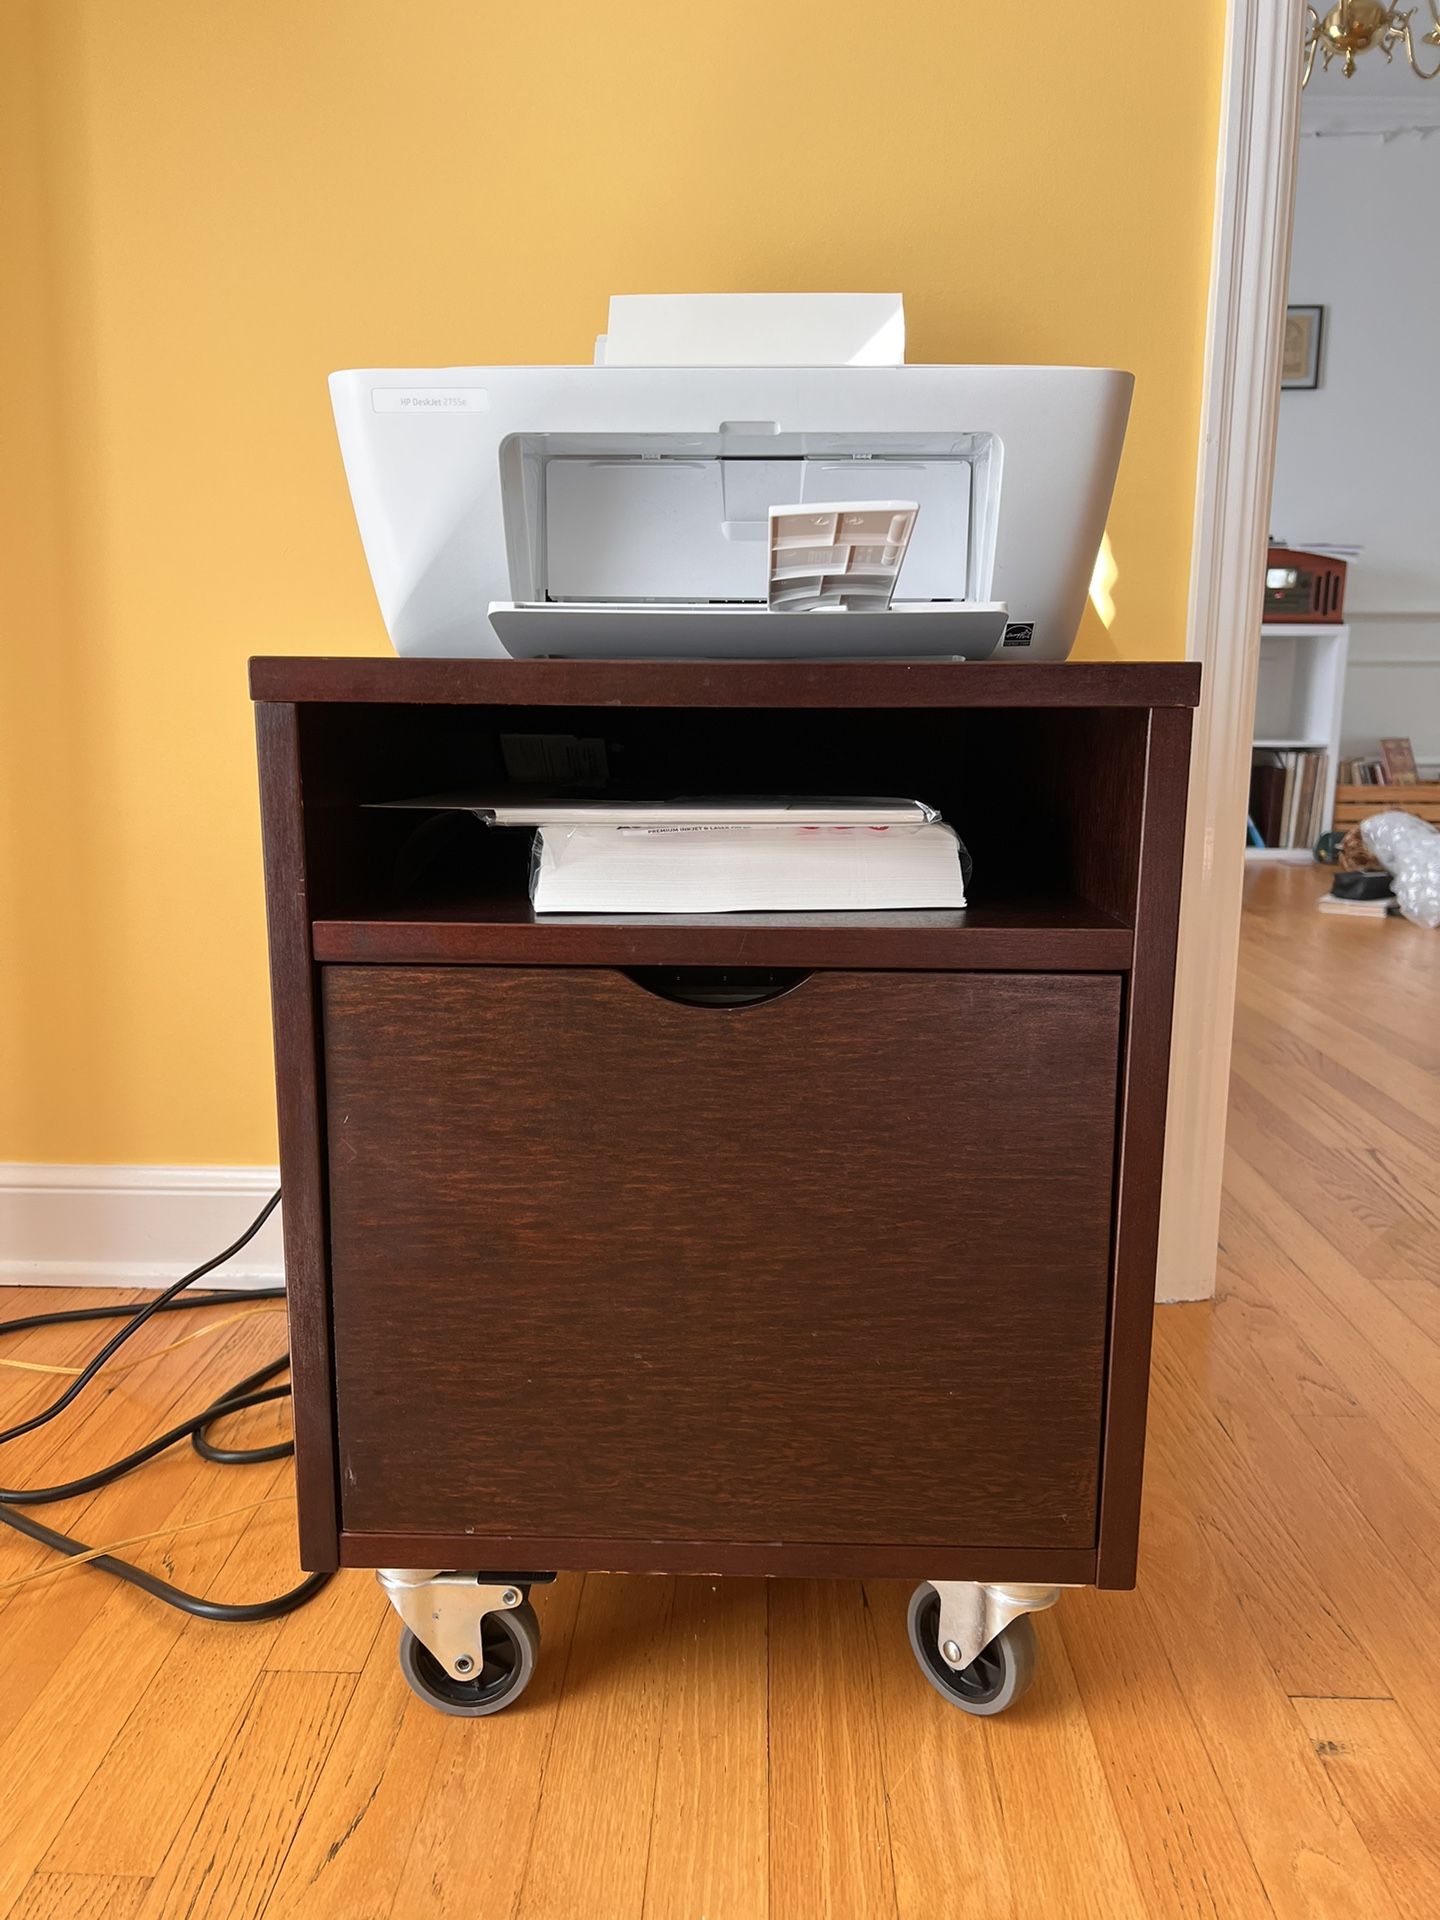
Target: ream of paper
755	330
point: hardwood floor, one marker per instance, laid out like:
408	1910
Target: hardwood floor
1254	1732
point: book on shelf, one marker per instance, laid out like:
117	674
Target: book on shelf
1267	799
1393	766
1287	796
1398	759
1308	764
1287	801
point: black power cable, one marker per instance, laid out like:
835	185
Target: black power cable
249	1392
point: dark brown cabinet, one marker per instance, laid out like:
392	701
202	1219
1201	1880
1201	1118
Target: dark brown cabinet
639	1271
853	1277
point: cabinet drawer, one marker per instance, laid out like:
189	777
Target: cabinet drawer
833	1267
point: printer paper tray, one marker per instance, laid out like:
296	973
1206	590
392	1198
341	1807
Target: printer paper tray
576	632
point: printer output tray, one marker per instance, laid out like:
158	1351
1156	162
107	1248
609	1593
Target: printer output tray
590	632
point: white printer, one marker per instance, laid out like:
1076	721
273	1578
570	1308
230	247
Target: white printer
625	509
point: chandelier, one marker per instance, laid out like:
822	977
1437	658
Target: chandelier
1354	26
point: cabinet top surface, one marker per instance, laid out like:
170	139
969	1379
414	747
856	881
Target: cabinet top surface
708	683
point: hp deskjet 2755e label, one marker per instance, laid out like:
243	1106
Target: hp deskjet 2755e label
429	400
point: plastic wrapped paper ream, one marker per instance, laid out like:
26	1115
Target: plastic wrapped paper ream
1410	848
742	869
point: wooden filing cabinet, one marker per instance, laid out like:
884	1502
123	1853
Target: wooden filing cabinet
816	1244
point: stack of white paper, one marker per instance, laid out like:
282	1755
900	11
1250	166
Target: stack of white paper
761	812
739	869
754	330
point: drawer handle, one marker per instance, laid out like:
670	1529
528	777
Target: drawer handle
724	987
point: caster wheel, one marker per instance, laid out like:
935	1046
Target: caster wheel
994	1680
509	1644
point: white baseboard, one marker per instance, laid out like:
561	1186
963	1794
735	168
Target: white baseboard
134	1226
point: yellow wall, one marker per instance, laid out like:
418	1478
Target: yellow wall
212	206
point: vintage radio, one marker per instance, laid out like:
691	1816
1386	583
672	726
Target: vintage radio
1308	587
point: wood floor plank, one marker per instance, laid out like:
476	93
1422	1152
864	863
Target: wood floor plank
947	1830
1066	1843
350	1850
1397	1624
1351	1202
1289	1044
458	1866
1312	1863
80	1896
1379	1355
1321	1020
1296	1371
120	1825
590	1849
713	1754
55	1747
1341	1108
1402	1509
830	1843
1188	1852
109	1629
1294	1255
1390	1785
1256	1537
235	1837
1373	1181
335	1632
1380	975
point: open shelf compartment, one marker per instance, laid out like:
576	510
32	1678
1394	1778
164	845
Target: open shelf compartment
1048	803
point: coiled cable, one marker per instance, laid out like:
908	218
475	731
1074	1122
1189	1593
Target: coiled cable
249	1392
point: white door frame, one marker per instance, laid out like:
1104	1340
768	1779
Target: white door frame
1254	199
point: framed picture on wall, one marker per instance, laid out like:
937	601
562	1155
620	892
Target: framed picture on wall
1300	354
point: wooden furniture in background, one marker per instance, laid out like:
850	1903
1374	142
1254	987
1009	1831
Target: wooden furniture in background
856	1280
1354	804
1308	588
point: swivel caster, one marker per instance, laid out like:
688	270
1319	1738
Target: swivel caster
469	1643
975	1644
509	1647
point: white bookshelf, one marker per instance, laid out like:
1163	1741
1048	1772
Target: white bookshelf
1298	700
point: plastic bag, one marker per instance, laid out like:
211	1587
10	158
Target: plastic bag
1410	848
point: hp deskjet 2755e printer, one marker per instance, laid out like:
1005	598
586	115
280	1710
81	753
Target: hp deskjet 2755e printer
734	478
